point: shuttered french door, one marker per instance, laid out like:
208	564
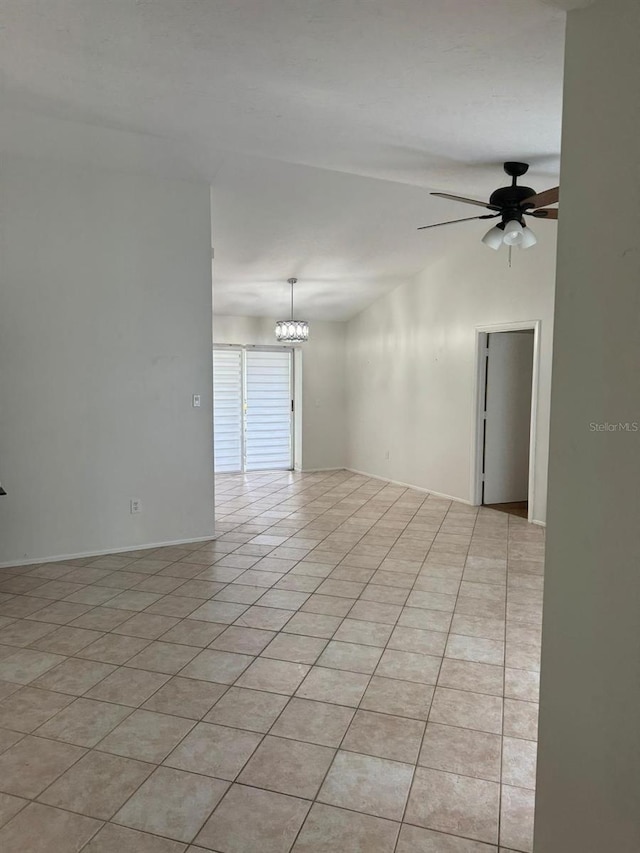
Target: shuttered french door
252	418
267	426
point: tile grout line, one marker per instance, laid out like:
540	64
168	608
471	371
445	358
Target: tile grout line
315	800
344	501
406	805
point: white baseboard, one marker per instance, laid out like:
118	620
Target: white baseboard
120	549
60	558
411	486
427	491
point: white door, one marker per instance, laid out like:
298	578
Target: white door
508	387
253	409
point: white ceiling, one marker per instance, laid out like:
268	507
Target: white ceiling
321	125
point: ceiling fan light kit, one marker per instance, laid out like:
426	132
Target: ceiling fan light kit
513	233
292	331
511	204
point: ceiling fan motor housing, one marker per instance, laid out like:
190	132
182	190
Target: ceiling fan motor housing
510	199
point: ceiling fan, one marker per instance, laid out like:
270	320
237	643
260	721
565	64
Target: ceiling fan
511	204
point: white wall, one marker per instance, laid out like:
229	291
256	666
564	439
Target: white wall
411	361
323	416
589	758
105	332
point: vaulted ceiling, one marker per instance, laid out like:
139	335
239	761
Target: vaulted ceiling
321	125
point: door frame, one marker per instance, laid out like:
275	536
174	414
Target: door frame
481	334
243	348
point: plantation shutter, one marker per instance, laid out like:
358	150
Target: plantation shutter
227	410
268	416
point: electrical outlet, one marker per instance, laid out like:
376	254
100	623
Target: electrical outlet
195	401
135	506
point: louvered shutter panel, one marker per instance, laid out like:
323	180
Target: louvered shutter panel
227	410
268	417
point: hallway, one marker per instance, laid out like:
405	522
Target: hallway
349	666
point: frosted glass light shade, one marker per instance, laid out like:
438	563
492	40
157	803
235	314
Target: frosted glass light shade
292	331
513	233
494	237
528	238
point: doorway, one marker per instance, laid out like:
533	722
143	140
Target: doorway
252	408
505	423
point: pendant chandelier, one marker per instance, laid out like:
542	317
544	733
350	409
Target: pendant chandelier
292	331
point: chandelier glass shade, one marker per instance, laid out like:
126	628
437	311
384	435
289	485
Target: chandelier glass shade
292	331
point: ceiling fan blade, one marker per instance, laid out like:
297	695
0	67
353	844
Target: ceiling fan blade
453	221
544	213
468	200
543	199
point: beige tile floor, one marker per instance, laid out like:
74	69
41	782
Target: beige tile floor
349	666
